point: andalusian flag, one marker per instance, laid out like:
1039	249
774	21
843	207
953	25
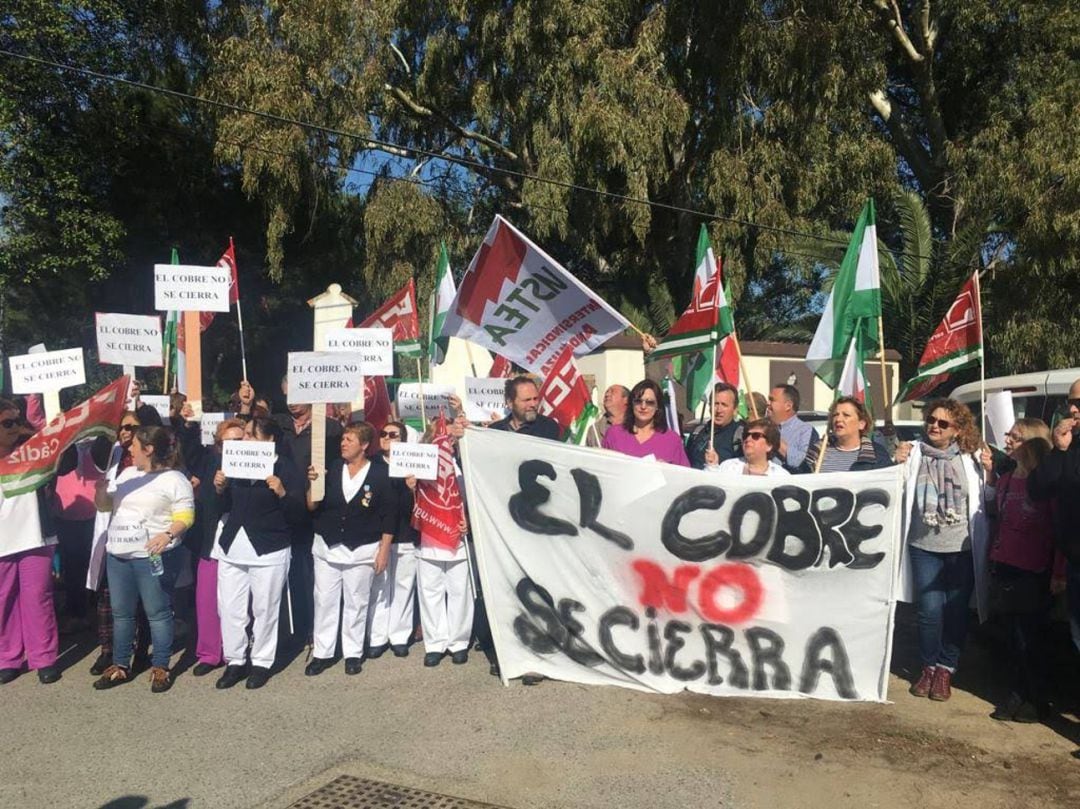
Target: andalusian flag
854	306
441	298
173	340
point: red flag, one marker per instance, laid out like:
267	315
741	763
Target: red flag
399	315
376	402
226	262
563	395
439	508
501	368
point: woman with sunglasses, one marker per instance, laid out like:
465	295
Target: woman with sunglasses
252	549
151	507
945	530
390	615
644	432
760	440
848	447
28	632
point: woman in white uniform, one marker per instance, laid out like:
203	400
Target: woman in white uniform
354	525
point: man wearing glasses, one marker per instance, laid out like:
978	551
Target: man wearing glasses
1059	476
523	399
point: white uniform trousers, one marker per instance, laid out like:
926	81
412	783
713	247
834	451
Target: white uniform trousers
390	616
446	604
332	582
254	587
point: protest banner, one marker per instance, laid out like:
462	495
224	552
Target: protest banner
610	570
208	424
159	403
129	340
47	371
188	288
248	460
324	377
412	398
419	460
33	463
485	399
372	348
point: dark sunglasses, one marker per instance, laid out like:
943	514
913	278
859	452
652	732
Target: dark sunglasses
639	402
7	424
941	423
1073	402
127	427
753	436
388	434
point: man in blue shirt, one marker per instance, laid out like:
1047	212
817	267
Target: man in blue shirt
796	436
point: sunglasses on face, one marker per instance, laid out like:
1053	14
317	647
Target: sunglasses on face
128	427
644	402
1073	402
7	424
941	423
388	434
753	436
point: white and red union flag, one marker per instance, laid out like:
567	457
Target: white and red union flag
517	301
563	395
439	510
399	315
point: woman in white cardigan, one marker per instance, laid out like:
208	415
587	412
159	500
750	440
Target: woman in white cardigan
945	537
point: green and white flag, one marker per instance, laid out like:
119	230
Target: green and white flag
170	338
441	298
853	308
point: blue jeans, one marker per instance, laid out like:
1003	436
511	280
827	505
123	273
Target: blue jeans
130	581
1072	596
943	585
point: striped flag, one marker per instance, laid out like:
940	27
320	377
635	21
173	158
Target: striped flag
442	296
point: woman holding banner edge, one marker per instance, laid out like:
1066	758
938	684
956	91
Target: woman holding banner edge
848	447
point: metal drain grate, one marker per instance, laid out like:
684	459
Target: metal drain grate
349	792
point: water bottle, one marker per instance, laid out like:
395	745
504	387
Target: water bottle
157	567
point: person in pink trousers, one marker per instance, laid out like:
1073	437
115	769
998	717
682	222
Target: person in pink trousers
28	632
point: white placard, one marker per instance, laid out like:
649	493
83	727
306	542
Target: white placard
159	403
435	396
485	399
129	340
324	377
189	288
47	371
419	460
248	460
374	348
208	422
1000	417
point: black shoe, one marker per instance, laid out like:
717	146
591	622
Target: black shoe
49	674
103	662
258	678
7	675
400	649
378	651
231	676
532	679
494	670
459	657
202	669
1007	711
432	659
352	665
318	665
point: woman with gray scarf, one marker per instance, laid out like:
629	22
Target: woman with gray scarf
946	535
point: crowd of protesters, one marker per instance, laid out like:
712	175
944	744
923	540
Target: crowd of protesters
140	519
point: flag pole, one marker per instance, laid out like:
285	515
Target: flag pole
885	397
712	412
595	433
165	382
823	446
468	351
243	351
982	354
423	408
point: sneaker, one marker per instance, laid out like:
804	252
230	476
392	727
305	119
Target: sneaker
378	651
103	661
112	676
922	687
459	657
258	678
202	669
318	665
160	680
353	665
48	674
941	687
400	649
432	659
7	675
231	676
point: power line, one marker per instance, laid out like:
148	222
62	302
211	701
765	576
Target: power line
392	148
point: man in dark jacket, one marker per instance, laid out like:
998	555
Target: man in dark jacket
523	399
724	431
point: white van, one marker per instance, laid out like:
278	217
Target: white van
1039	395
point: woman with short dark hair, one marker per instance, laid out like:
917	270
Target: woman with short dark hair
644	432
760	440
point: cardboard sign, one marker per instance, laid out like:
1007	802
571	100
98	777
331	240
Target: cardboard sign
419	460
317	377
374	348
485	399
188	288
159	403
131	340
435	396
1000	417
248	460
208	422
47	371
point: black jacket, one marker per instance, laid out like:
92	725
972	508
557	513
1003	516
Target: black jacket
728	442
202	463
542	427
1058	475
362	520
266	518
404	505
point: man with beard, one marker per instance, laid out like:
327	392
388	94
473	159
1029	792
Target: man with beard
523	399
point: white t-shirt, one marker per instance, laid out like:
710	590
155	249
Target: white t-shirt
146	504
21	523
339	554
737	466
242	552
